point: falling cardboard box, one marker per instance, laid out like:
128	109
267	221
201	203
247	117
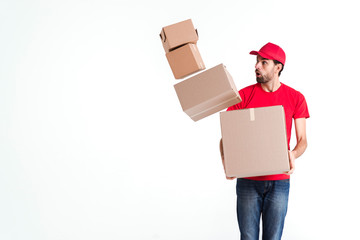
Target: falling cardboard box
207	92
178	34
185	60
254	142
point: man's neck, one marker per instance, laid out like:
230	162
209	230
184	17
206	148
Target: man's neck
271	86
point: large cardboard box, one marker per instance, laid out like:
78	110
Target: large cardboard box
207	92
254	142
178	34
185	60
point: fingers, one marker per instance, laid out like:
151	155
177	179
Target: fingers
292	169
292	163
230	178
290	172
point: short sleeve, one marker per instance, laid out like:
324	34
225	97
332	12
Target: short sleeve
301	108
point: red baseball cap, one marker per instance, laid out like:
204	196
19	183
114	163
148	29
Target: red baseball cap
271	51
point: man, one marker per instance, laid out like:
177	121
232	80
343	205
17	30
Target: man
267	196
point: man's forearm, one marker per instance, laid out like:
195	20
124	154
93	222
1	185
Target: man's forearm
300	148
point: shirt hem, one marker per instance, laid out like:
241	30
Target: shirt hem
270	177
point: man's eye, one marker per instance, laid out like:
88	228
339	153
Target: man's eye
264	62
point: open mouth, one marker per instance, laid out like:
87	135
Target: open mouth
257	74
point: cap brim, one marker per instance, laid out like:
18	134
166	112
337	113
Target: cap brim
261	54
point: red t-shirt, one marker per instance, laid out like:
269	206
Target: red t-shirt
294	104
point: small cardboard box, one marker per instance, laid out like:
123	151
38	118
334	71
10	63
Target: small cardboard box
178	34
185	60
207	92
254	142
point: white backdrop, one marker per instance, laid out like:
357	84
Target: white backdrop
93	141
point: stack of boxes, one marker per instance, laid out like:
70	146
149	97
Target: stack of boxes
205	93
213	90
179	42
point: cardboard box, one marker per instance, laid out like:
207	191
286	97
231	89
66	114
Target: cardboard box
185	60
207	92
178	34
254	142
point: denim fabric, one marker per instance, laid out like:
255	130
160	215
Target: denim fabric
268	199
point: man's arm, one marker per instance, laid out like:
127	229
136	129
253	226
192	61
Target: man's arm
300	129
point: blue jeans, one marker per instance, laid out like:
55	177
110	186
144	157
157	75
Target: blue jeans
269	198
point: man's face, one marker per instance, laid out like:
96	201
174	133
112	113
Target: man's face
265	70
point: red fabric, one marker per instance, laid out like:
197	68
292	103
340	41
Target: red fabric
294	104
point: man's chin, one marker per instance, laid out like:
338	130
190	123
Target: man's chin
262	80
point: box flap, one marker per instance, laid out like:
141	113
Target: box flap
163	36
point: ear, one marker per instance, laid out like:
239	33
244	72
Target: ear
278	68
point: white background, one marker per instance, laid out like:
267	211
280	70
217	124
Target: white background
93	140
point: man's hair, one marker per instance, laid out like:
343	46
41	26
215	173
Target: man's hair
282	66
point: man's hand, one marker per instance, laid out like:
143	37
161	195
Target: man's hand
230	178
300	129
292	163
223	161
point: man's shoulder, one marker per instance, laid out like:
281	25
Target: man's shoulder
249	88
291	90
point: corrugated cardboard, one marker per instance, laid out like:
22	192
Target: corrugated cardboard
207	92
185	60
254	142
178	34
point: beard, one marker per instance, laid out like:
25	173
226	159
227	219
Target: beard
262	79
